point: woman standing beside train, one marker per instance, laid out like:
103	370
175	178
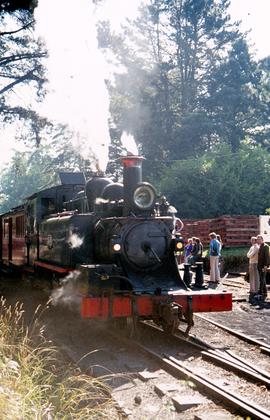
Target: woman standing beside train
215	252
254	278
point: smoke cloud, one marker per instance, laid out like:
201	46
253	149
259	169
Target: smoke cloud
76	71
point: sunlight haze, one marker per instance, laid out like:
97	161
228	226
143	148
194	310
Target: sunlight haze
254	16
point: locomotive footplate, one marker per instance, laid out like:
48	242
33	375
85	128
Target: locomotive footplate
167	310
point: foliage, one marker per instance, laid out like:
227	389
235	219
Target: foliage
22	178
189	81
36	381
234	97
187	88
234	262
219	182
21	72
12	5
235	252
32	171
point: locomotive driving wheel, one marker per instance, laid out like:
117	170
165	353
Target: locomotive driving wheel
170	328
168	315
127	326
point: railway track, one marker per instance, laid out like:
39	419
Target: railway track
262	343
224	358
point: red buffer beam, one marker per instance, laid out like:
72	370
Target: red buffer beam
126	306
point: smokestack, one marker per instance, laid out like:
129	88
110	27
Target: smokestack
132	175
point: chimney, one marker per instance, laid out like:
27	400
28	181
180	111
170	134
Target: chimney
132	175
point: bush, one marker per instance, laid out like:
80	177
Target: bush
232	260
237	263
37	383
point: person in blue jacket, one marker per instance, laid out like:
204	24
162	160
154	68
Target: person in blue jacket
215	250
188	249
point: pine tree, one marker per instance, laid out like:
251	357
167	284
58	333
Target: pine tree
169	53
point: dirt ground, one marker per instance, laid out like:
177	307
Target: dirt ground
141	388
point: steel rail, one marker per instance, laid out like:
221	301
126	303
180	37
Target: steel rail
262	372
227	357
235	367
232	284
265	350
179	370
233	399
189	339
236	333
222	357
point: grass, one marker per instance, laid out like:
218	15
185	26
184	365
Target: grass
239	252
35	380
233	259
229	252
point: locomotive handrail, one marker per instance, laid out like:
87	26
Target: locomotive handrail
62	214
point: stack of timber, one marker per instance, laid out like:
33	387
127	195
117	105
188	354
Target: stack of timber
235	231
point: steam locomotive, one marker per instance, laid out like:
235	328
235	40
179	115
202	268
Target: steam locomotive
120	239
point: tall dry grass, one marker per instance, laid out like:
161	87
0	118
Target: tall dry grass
35	380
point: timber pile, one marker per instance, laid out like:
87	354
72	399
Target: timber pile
235	231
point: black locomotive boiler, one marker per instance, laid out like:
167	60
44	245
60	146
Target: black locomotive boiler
120	239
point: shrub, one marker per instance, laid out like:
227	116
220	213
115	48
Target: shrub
36	381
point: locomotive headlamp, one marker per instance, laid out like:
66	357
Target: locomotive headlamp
179	246
116	247
116	244
144	196
179	243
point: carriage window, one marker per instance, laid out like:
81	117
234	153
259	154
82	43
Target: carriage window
20	226
5	227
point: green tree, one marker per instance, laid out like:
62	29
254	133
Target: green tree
21	72
13	5
169	53
234	100
22	178
219	182
190	82
32	171
261	133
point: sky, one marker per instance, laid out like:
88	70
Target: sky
254	15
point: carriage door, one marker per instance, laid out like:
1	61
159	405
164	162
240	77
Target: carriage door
31	231
6	240
1	240
10	239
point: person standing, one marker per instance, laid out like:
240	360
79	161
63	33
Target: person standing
254	278
200	249
196	252
220	241
214	258
263	263
188	249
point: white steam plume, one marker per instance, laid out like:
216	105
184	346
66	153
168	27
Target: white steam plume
75	241
128	142
77	95
68	294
